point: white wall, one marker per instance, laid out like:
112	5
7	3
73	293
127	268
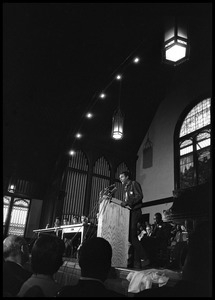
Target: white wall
158	181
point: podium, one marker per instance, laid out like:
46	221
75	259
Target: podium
113	225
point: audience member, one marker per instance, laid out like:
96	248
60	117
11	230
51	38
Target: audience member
95	262
148	230
65	221
161	230
157	240
176	234
46	259
178	246
15	254
197	271
139	225
67	239
57	222
141	232
173	231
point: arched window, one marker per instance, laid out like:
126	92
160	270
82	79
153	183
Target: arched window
192	146
15	215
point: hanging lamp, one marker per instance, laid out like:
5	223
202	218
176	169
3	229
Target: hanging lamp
12	184
118	119
176	45
117	125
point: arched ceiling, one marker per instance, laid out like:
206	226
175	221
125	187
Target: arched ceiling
57	58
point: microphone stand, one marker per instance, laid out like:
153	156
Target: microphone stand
109	196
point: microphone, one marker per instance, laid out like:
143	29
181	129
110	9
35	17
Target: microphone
113	190
110	186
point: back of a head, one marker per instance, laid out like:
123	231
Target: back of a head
95	258
14	246
47	254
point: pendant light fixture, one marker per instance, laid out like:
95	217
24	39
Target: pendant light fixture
12	184
176	44
118	119
11	188
117	125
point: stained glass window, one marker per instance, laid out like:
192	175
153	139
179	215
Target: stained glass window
18	216
6	201
197	118
194	146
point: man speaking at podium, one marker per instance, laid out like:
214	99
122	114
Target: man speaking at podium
133	196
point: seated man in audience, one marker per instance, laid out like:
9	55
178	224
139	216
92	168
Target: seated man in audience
46	259
15	254
95	261
141	232
148	230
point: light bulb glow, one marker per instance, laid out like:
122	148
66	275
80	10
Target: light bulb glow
78	135
89	115
72	152
117	135
102	95
12	188
118	77
136	60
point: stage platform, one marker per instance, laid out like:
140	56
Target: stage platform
69	273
